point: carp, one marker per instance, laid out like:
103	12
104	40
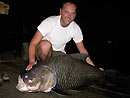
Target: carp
62	72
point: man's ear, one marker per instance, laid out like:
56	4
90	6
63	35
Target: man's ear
60	11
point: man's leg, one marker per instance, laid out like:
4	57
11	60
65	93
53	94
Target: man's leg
44	50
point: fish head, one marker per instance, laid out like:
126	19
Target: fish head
36	80
28	82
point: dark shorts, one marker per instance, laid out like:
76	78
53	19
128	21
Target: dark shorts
54	53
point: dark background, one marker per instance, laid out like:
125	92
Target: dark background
105	26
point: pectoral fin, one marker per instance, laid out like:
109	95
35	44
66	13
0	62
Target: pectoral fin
61	93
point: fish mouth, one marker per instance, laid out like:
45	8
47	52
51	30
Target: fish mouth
21	86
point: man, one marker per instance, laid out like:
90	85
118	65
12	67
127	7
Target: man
53	34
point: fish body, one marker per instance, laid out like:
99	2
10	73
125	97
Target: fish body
63	72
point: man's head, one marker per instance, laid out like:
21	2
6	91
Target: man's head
68	13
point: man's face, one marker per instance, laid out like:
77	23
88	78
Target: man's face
68	13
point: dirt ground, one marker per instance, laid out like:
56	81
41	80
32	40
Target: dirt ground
13	66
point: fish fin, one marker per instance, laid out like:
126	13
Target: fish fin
82	89
61	93
77	91
111	75
80	56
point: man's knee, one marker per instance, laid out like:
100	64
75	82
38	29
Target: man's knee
43	51
44	46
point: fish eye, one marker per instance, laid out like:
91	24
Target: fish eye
26	76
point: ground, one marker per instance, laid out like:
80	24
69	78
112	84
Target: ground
13	65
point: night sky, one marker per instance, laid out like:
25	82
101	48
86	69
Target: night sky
104	24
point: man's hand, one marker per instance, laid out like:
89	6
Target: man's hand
30	66
101	69
88	60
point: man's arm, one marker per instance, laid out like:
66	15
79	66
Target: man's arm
82	49
32	49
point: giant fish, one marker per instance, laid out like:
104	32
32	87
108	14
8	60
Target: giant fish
60	73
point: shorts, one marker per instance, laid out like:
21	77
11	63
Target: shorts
54	53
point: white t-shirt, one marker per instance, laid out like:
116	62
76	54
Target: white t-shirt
52	31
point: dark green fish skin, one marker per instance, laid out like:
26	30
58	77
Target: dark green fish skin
73	73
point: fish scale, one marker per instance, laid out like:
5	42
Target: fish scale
74	72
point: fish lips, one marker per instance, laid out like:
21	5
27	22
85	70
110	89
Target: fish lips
21	86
